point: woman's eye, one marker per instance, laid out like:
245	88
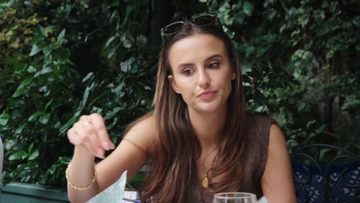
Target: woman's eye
214	65
188	71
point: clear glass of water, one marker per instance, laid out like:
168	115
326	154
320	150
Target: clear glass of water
235	197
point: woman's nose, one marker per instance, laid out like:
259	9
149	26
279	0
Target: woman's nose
204	80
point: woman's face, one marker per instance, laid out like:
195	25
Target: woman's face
202	72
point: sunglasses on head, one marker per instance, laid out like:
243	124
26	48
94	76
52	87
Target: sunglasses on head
173	28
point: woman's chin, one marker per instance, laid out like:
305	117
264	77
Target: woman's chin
210	109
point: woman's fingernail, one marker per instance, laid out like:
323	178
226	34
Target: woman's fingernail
105	145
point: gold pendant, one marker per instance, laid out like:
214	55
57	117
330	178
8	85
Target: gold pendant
205	182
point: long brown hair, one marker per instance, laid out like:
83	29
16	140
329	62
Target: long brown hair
177	147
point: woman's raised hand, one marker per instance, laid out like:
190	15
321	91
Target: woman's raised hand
90	134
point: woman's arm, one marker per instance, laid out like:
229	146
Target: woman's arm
277	181
131	154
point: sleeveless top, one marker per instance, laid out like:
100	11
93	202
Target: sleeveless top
258	132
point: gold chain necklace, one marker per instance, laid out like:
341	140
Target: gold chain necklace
205	182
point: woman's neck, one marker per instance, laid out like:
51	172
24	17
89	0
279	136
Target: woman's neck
208	127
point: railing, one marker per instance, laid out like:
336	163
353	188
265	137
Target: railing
336	180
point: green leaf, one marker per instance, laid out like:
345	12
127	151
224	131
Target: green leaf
49	48
30	148
22	166
69	123
35	115
20	66
260	98
87	77
319	16
309	137
330	54
358	47
333	6
38	35
48	104
25	82
324	4
301	107
96	99
45	118
114	50
292	12
4	118
64	160
111	114
356	21
127	43
249	50
239	18
45	70
109	41
31	69
33	155
35	49
17	155
64	55
273	2
309	124
307	56
248	8
61	36
86	94
19	92
321	129
52	169
47	59
109	127
5	5
19	129
323	152
274	14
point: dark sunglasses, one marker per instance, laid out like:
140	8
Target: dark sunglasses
206	19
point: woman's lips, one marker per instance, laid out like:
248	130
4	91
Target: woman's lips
207	95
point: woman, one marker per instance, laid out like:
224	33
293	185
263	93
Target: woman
199	137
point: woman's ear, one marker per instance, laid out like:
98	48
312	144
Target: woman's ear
233	75
173	84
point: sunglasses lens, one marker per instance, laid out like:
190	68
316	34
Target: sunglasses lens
175	27
204	20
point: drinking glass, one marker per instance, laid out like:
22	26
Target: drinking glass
235	197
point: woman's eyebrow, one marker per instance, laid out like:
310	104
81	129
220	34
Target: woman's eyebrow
213	56
207	59
184	65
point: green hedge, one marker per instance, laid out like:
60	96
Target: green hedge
63	59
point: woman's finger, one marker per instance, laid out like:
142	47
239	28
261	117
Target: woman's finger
89	136
100	128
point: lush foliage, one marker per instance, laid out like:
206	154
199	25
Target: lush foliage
63	59
36	71
318	43
45	87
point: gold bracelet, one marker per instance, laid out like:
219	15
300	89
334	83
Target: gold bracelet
80	187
